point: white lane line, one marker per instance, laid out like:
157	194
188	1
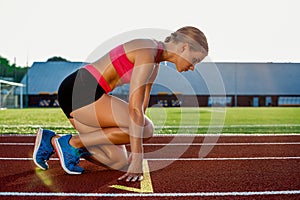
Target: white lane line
228	126
181	159
190	135
21	159
192	194
160	126
222	159
185	144
218	135
223	144
16	144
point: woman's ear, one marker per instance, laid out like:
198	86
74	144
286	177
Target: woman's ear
181	47
185	46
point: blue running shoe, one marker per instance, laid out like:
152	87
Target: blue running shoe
69	156
43	148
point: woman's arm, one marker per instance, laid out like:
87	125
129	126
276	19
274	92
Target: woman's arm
144	66
149	86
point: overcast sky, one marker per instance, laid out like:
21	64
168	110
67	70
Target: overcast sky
237	30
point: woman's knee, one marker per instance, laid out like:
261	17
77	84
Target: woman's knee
148	128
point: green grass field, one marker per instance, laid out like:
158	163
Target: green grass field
169	120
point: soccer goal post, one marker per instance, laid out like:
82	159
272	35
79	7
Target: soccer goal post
11	94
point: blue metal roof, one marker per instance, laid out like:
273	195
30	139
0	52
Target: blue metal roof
232	78
47	76
207	79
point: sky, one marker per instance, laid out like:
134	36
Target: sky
237	30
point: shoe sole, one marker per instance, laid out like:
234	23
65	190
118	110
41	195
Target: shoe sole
38	139
61	157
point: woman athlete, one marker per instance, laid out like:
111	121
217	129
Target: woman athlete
106	123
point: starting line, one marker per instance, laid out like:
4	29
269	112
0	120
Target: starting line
193	194
146	183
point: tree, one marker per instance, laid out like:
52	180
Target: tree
14	72
57	59
4	61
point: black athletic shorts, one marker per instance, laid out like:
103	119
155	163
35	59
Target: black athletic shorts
77	90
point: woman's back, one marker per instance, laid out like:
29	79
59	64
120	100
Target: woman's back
116	66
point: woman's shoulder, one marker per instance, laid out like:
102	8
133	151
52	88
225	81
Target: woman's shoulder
140	44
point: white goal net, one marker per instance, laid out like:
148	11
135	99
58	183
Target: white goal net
11	94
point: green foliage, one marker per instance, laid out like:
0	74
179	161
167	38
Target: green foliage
16	73
4	61
57	58
11	71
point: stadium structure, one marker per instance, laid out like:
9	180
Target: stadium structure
211	84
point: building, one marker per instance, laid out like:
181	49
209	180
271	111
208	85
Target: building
233	84
43	79
211	84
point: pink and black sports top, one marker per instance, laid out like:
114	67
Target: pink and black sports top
121	63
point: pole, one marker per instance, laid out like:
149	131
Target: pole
15	66
0	96
27	75
235	85
21	97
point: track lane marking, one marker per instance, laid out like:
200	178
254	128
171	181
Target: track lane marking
223	159
16	144
184	144
159	126
179	159
180	194
146	183
187	135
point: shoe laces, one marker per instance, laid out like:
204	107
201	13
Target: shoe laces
73	159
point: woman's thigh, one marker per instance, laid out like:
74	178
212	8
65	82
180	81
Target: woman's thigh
108	111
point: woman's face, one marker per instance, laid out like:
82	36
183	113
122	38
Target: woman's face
187	58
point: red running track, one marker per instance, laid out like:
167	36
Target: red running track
181	167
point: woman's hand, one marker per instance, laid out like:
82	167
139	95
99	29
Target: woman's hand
135	171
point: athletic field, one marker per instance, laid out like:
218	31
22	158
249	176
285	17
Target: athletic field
281	120
196	153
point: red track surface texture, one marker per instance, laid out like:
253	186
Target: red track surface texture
184	167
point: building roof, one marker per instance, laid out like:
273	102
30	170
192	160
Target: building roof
207	79
45	77
232	78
